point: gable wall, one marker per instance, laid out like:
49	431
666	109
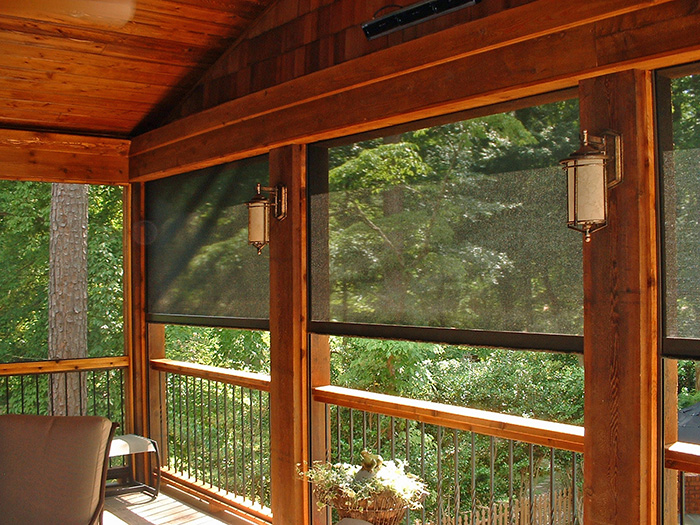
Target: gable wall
298	37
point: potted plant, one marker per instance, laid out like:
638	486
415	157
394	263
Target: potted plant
376	491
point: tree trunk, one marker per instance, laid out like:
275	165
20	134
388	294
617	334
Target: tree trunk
68	293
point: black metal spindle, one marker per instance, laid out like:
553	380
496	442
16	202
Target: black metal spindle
364	430
261	451
531	481
510	483
472	480
492	477
439	475
392	437
551	486
352	435
457	493
252	447
36	394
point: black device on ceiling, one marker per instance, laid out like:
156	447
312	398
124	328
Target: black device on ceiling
412	15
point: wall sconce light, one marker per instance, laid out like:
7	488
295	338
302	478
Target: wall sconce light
259	208
591	170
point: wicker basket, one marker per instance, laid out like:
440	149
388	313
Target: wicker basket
383	509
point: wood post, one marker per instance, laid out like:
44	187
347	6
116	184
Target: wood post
289	392
621	314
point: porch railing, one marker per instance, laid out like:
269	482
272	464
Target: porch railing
479	465
90	386
218	433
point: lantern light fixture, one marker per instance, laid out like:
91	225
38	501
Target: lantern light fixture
591	171
265	202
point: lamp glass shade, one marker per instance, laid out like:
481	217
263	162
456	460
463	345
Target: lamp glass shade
587	188
258	222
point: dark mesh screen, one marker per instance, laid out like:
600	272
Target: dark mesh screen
457	226
199	262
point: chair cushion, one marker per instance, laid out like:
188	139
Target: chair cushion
51	468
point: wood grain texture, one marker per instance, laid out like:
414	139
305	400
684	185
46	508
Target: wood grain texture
330	34
289	386
151	61
63	365
308	109
546	433
54	157
621	314
213	373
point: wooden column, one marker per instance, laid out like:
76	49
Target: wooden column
621	314
289	393
135	284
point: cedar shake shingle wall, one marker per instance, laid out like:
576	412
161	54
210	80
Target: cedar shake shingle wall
298	37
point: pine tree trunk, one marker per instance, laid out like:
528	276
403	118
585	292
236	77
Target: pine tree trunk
68	293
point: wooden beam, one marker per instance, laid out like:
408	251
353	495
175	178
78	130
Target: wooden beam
250	380
437	74
621	314
63	365
54	157
527	430
289	388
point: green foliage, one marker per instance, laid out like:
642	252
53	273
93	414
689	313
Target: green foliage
24	251
455	226
245	350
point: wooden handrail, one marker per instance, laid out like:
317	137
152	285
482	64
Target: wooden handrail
213	373
683	456
63	365
535	431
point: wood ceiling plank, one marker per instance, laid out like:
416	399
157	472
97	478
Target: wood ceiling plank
37	58
155	29
16	111
81	87
13	94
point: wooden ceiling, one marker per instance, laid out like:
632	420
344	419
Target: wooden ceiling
64	67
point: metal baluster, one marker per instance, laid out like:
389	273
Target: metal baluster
352	436
422	462
492	480
551	486
574	488
531	476
379	433
473	476
252	452
226	441
392	435
7	395
260	443
187	420
243	462
457	493
80	393
218	438
338	453
36	394
364	430
21	393
439	475
210	430
269	430
408	461
511	517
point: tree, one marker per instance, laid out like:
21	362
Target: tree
68	297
